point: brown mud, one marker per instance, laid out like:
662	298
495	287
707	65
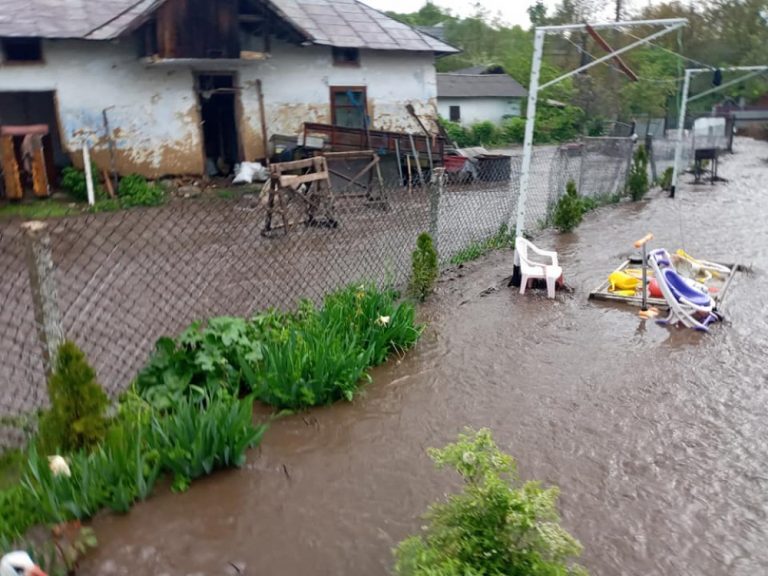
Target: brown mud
656	436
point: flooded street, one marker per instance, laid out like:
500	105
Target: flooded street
657	437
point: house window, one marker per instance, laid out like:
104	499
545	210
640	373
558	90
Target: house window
454	113
346	56
22	49
348	106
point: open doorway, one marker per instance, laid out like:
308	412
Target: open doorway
217	93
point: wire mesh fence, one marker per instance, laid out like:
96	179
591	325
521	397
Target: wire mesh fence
125	278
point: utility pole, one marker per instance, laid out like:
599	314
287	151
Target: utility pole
618	10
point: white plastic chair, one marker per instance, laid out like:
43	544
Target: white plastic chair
530	269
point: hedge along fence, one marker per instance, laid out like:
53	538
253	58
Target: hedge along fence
190	411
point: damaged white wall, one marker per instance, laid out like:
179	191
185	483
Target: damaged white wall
480	109
153	111
296	82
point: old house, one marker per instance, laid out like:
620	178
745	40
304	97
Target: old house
479	94
171	85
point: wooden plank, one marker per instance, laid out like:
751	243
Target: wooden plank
13	189
294	180
39	173
278	169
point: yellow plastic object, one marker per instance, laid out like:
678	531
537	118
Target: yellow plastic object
620	281
648	314
699	266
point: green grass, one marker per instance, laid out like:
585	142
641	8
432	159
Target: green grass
502	239
11	463
38	210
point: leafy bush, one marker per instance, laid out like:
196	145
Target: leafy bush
457	133
192	442
18	512
502	239
484	133
74	182
569	210
310	357
134	190
76	418
638	174
513	130
200	361
665	183
496	525
423	267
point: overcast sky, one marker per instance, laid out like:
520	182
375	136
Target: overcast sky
512	11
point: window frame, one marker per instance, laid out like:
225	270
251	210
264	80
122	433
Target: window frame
336	52
457	109
6	61
343	90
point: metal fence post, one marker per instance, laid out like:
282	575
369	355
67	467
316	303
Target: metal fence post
435	191
44	293
651	159
628	171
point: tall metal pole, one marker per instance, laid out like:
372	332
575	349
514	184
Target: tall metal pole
680	127
533	89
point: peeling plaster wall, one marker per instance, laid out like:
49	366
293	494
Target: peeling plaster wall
296	83
152	112
480	109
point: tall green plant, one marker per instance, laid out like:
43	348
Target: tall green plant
638	174
423	267
569	210
496	525
76	418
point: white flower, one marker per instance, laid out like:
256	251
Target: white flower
468	458
59	466
382	320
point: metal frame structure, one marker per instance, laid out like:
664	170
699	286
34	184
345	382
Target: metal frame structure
689	73
534	88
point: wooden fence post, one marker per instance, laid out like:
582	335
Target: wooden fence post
44	293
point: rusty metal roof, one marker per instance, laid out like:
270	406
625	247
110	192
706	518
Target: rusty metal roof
352	24
479	86
342	23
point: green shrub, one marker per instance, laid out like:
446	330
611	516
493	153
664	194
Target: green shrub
569	210
638	174
18	512
76	418
513	130
192	442
496	525
666	179
457	133
423	267
484	134
134	190
74	182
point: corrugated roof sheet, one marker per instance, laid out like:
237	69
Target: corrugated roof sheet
478	86
342	23
352	24
92	19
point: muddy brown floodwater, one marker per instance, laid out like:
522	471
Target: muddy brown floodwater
657	437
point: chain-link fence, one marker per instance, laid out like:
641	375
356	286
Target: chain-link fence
125	278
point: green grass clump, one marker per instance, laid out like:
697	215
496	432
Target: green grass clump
496	525
502	239
134	190
424	268
37	210
74	182
665	183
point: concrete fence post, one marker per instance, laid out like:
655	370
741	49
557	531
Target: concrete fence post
44	294
435	192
